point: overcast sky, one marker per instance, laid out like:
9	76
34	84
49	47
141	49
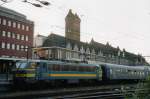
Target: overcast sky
123	23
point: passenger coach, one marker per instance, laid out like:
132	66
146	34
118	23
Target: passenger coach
122	72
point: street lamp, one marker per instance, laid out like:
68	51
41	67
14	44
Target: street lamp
119	53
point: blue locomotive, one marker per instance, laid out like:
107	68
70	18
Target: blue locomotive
32	71
53	71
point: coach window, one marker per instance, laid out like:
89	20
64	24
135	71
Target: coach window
140	74
67	67
143	73
45	66
111	71
85	68
72	68
56	67
0	21
50	67
147	72
80	68
93	69
88	69
75	68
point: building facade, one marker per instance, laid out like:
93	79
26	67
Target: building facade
60	48
16	34
71	48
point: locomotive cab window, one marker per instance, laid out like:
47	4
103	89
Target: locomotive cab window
33	65
21	65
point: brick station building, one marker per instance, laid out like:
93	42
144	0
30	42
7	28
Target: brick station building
71	48
16	34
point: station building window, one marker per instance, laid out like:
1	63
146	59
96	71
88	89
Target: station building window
8	34
26	48
27	28
27	38
18	36
18	47
13	46
9	23
13	35
3	33
8	45
0	21
18	25
14	24
4	21
22	27
22	48
3	44
22	37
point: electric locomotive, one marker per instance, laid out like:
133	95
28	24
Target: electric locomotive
32	71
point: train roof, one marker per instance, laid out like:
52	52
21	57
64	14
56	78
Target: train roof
125	66
59	62
11	59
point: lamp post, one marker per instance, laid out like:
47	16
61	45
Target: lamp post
119	57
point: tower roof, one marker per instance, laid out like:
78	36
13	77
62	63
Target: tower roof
70	14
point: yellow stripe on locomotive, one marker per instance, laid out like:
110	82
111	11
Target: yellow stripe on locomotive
72	75
25	75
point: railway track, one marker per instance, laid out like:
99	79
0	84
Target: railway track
99	94
104	92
